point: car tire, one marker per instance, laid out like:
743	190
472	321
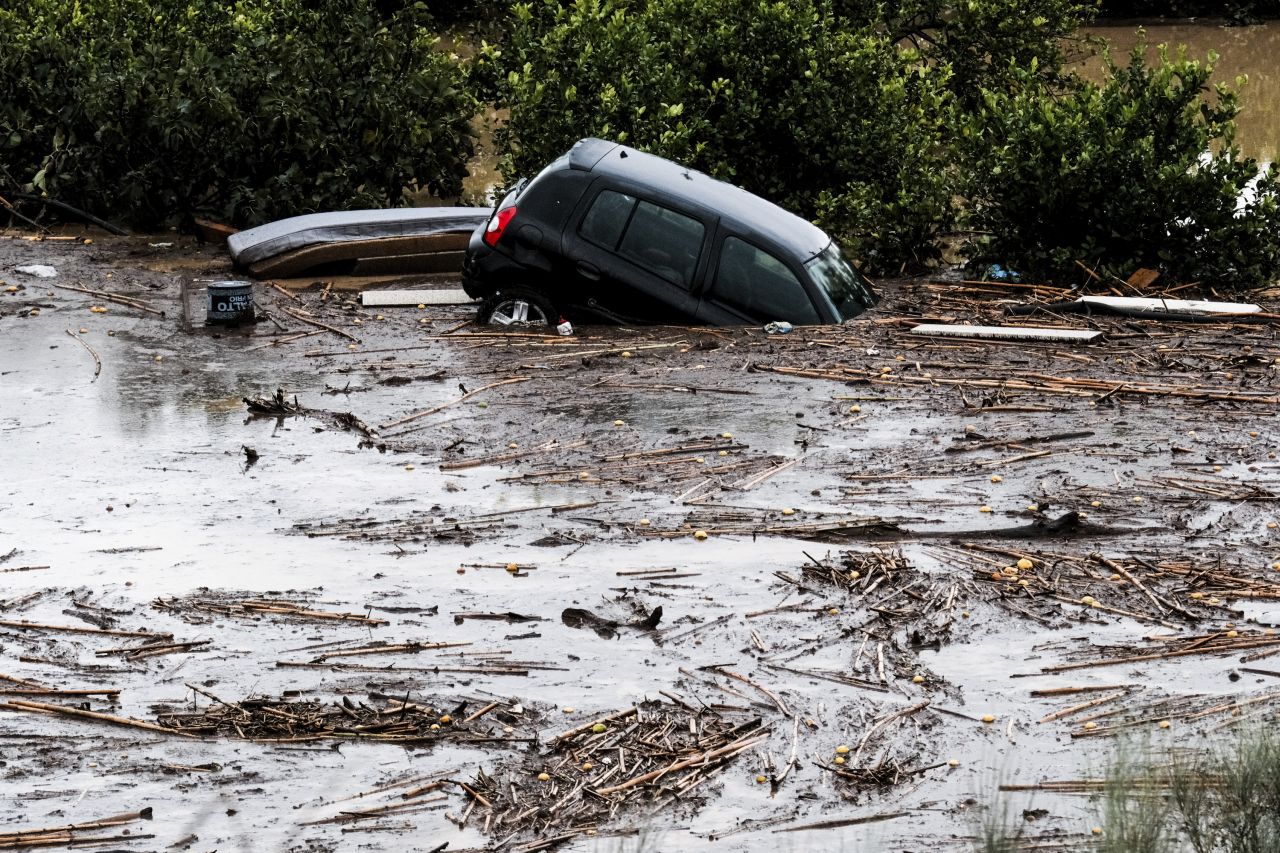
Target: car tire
517	306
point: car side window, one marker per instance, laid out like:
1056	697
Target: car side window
665	242
760	285
607	218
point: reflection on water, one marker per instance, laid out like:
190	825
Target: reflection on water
1242	50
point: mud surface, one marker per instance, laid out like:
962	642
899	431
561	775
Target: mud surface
768	546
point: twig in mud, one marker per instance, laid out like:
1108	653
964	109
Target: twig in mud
97	361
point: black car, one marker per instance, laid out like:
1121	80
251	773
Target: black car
610	233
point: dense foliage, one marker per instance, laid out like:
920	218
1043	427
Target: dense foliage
773	96
1138	172
248	110
887	122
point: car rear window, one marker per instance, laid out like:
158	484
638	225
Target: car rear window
755	282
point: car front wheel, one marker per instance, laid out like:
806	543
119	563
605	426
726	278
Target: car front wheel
517	306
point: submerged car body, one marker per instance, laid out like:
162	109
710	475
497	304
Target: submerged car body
608	232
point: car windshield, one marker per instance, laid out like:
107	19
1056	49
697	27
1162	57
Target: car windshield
849	290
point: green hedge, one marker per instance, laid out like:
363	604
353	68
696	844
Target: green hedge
1140	171
147	110
773	96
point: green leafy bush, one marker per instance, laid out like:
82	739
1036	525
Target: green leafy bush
1140	171
249	110
776	97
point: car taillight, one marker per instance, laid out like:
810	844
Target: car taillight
497	225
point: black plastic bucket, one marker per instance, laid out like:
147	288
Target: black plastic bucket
230	302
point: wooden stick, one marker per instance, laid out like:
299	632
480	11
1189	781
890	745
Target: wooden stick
701	758
111	297
586	727
76	629
97	362
42	707
416	415
298	315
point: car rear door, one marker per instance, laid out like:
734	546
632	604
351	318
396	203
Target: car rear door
747	284
637	256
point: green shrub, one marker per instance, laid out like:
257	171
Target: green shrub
251	110
776	97
1140	171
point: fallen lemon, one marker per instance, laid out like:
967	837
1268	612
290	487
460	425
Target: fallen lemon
544	777
988	718
599	728
1025	564
984	508
842	749
700	535
996	478
788	511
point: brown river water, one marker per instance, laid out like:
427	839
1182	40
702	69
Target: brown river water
1249	51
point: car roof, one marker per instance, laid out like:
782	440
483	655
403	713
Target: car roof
600	156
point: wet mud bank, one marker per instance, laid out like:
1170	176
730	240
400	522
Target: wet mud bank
675	589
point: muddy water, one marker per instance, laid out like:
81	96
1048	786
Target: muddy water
1249	51
135	486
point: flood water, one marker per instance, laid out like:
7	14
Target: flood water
1247	51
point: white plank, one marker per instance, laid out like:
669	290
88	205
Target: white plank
413	298
1007	333
1172	306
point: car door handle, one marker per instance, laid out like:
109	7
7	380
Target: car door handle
588	271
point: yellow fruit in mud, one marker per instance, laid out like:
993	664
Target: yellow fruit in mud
886	369
513	567
619	423
760	780
584	475
567	709
34	312
1088	601
1024	564
379	317
351	346
1217	469
1024	583
854	575
1164	724
1095	503
626	353
955	762
1197	595
644	522
1253	433
1213	599
1033	507
544	777
842	749
854	409
726	435
1233	634
1137	499
587	765
788	511
1276	565
918	679
723	453
984	508
599	728
446	720
11	289
88	241
422	307
839	760
699	460
507	730
84	331
988	718
996	478
408	467
964	614
1271	525
1097	830
435	727
700	535
512	445
996	576
1090	725
834	611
